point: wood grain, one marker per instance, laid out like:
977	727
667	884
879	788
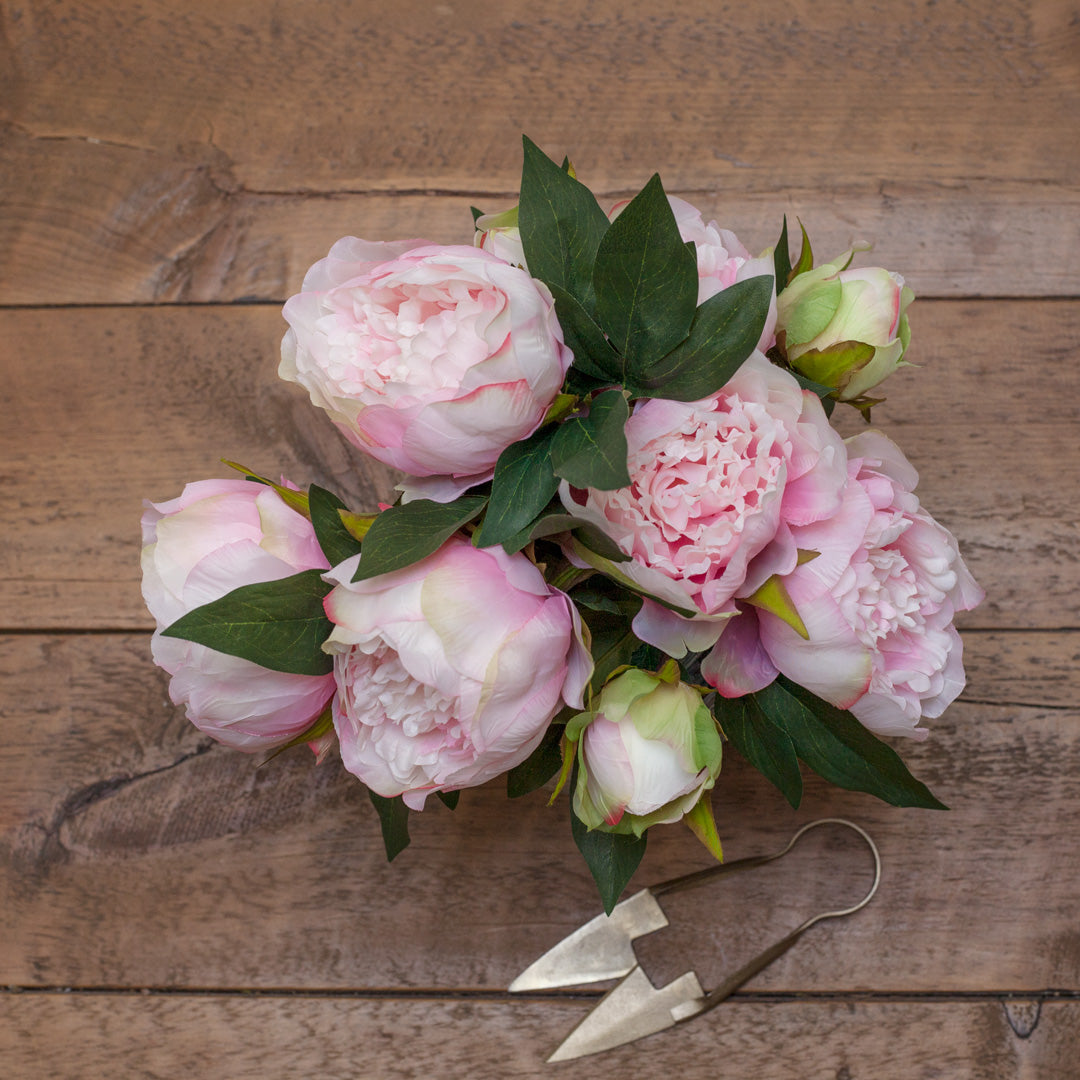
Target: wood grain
113	405
216	153
237	1038
137	853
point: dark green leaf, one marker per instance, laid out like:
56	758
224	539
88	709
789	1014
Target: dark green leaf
591	451
648	658
553	520
476	214
337	543
765	745
836	746
612	858
595	600
646	279
279	625
561	224
523	485
539	767
593	354
613	641
782	259
726	329
394	819
449	799
410	532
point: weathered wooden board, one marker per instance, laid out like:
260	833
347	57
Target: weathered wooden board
263	1038
424	96
154	226
136	853
108	406
154	152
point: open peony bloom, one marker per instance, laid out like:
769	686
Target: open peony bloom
721	258
713	483
648	752
878	603
449	671
431	359
217	536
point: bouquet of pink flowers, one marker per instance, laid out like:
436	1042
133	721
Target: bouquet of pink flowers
627	533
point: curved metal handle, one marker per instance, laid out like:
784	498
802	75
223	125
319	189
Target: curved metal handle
765	958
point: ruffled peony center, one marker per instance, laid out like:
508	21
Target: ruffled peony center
401	334
408	724
693	489
880	595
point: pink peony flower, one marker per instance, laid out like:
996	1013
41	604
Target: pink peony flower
431	359
721	259
878	603
713	483
217	536
449	671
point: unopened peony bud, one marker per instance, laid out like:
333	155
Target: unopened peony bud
498	235
646	755
847	329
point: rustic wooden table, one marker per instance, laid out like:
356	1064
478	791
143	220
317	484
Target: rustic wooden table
169	171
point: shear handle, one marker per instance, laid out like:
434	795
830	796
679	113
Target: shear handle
699	877
777	949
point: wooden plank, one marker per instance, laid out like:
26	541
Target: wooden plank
75	1037
135	853
197	178
419	97
119	404
153	226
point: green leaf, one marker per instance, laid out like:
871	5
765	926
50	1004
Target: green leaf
523	485
561	224
539	767
295	500
726	329
699	819
279	624
612	858
410	532
593	354
772	596
394	819
553	520
613	642
590	451
806	257
319	727
646	279
782	260
836	746
827	403
337	543
835	365
449	799
813	311
765	745
477	214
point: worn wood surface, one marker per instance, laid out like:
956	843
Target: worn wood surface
340	1039
160	162
216	151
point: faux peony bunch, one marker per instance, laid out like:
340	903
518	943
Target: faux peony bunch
627	533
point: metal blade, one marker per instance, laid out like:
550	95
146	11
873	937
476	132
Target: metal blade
601	949
632	1010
